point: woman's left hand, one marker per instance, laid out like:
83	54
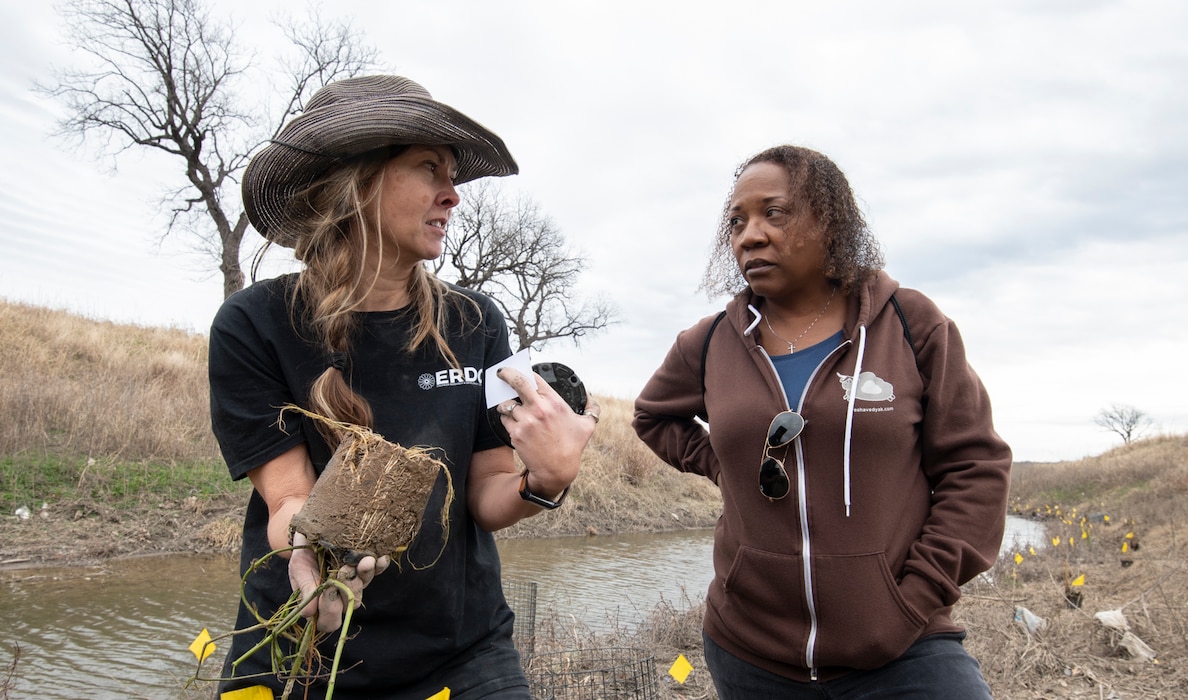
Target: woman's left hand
547	434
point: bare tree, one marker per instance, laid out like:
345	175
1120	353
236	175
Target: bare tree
514	254
1126	421
165	75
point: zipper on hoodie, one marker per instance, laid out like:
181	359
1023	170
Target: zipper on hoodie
802	507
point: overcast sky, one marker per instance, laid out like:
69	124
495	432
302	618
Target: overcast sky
1025	168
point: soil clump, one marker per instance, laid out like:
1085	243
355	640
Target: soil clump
371	498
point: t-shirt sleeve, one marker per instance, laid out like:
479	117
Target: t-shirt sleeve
247	391
497	349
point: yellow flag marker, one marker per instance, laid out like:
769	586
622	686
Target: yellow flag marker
681	668
1130	535
1056	541
443	695
256	692
1031	550
1125	547
1078	581
201	645
1018	558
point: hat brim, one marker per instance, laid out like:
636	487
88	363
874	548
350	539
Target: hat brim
317	140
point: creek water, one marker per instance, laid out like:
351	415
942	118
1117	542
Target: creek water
123	630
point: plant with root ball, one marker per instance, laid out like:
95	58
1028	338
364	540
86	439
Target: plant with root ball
370	500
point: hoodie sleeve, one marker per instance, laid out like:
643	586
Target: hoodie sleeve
665	409
968	466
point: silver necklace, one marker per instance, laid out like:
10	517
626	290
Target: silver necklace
792	343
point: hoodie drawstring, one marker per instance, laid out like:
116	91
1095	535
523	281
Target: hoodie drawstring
757	315
850	404
850	414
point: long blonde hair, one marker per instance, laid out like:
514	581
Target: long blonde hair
341	224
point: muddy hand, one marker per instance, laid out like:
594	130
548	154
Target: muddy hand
328	607
356	577
303	572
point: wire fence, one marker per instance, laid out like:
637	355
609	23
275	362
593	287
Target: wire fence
521	598
593	674
578	674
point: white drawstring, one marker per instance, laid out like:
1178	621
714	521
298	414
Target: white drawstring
757	315
850	407
850	414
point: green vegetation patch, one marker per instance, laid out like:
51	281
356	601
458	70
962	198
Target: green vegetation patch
29	481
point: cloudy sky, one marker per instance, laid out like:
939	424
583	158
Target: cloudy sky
1026	168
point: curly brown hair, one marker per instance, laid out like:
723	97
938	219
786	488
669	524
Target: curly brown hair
852	253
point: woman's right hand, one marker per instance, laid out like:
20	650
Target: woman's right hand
545	431
305	576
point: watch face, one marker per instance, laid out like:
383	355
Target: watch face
562	379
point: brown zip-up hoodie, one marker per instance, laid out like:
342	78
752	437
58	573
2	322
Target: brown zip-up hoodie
899	489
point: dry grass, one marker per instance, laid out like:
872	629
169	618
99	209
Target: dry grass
1146	481
1115	541
74	386
671	629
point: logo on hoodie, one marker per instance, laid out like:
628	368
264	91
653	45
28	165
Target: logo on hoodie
870	387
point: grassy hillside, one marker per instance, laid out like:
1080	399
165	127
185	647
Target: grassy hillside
1116	540
74	387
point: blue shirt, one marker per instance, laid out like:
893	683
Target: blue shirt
796	368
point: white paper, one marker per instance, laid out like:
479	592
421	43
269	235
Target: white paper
498	390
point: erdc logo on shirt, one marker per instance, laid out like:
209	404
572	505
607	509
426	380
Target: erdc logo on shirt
448	377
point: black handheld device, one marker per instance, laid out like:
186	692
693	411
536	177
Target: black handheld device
563	380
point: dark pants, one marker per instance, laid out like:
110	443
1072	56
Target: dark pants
936	667
492	673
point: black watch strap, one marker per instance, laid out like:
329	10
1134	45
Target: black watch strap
527	495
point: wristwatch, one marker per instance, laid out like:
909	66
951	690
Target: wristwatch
527	495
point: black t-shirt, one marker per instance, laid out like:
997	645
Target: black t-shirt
414	621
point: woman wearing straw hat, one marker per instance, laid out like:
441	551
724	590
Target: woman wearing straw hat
361	185
862	480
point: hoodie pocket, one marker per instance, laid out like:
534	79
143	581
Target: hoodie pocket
863	621
764	607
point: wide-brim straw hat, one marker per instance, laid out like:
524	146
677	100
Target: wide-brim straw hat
348	118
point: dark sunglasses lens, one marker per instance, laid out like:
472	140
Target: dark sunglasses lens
773	480
784	428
